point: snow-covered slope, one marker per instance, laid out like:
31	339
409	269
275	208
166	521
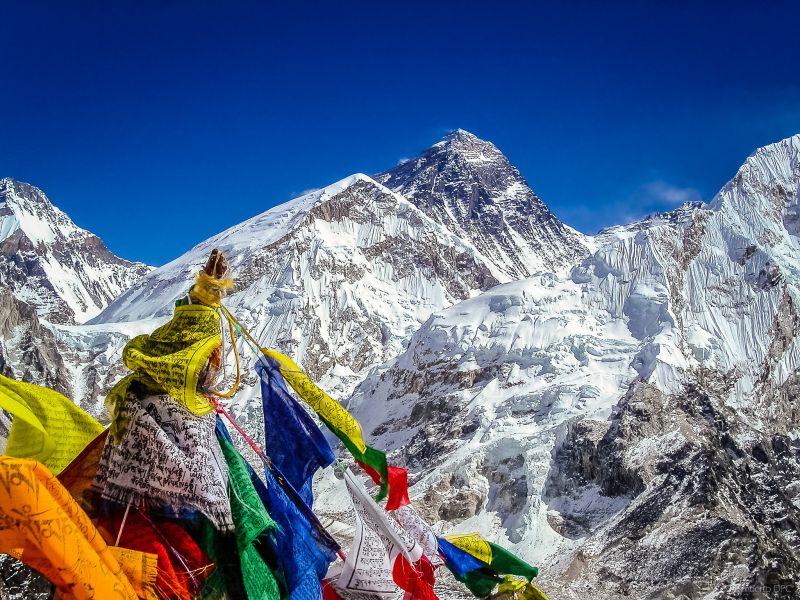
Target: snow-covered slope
48	262
684	329
339	278
470	187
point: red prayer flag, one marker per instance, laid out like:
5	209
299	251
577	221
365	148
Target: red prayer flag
398	485
416	579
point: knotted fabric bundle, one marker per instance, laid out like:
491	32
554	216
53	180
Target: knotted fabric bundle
169	361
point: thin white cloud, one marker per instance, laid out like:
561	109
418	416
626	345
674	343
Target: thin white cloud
660	192
655	196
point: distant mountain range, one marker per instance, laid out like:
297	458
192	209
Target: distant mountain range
66	273
620	409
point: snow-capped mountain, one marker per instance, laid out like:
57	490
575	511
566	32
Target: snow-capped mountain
469	186
66	273
630	425
339	278
620	409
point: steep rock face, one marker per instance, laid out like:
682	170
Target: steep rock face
710	503
63	271
470	187
29	351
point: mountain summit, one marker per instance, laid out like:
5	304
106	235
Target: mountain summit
459	220
66	273
469	186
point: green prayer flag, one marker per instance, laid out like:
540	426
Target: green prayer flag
252	521
507	563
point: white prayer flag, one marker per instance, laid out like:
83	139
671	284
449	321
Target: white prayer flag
419	531
377	542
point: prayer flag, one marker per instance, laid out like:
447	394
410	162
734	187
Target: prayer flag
182	565
47	426
302	553
302	547
293	441
507	563
496	557
523	590
410	520
252	522
474	544
398	483
458	561
478	564
46	529
336	418
383	554
169	360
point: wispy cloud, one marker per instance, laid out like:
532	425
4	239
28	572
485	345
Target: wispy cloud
657	195
663	193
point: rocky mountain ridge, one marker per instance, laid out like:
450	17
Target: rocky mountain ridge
470	187
65	272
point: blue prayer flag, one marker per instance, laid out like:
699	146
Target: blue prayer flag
293	441
304	551
302	548
457	560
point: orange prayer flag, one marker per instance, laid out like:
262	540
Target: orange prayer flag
46	529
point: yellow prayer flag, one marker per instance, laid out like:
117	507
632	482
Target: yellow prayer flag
530	592
47	426
521	588
175	353
140	569
169	361
472	543
325	406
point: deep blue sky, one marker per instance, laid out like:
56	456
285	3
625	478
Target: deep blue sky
156	125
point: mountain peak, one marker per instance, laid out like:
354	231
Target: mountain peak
468	185
12	189
459	135
66	273
763	195
25	208
466	146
